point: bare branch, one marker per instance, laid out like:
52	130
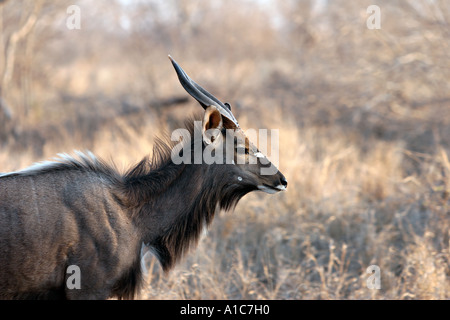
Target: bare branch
15	39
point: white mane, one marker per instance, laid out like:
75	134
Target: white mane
86	160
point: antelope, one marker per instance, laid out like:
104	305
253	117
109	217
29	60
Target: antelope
81	211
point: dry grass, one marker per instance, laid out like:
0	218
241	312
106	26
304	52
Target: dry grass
362	116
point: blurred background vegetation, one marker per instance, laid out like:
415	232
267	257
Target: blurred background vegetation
364	120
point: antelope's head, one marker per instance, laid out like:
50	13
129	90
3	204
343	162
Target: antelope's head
226	142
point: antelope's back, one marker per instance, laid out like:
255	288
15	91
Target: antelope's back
51	220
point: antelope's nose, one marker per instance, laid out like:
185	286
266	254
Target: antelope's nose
283	181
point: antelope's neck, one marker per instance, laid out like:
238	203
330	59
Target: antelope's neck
174	219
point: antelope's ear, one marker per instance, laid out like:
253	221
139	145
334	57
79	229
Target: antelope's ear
212	124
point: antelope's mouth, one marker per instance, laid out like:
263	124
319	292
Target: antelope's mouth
270	189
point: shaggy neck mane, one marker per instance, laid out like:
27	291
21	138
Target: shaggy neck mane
173	203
